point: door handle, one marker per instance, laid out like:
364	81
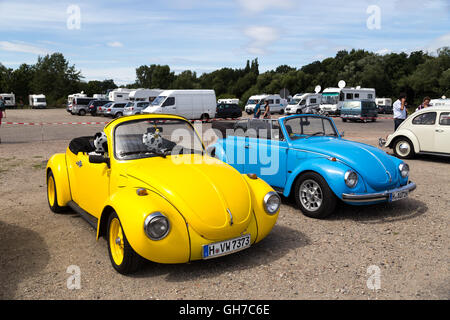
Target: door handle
247	146
439	130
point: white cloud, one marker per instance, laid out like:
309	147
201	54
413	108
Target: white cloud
256	6
115	44
120	75
442	41
383	51
22	47
260	38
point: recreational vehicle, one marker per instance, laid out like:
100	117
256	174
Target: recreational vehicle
384	105
333	98
191	104
37	101
276	103
443	102
303	102
9	99
147	95
119	95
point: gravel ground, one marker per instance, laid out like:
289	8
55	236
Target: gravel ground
302	258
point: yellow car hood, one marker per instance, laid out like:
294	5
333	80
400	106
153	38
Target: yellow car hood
213	197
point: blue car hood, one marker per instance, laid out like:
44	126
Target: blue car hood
377	168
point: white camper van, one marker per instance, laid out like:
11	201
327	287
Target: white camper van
302	101
191	104
443	102
228	101
384	105
100	96
71	96
147	95
276	103
333	98
119	95
37	101
9	99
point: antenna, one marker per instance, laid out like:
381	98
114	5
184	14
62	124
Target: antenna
318	89
341	84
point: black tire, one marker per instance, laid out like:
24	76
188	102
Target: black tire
204	117
82	112
118	115
131	260
403	152
281	111
54	207
328	198
344	120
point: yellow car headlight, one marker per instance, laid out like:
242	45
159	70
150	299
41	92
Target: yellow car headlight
156	226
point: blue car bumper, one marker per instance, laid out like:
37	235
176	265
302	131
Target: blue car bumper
367	198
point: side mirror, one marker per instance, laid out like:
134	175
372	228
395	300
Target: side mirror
93	158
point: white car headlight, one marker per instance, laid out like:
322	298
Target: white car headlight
351	178
272	202
156	226
404	170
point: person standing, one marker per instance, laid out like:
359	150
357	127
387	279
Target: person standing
400	111
257	111
2	111
266	114
425	104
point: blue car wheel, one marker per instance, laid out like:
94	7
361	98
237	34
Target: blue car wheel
313	196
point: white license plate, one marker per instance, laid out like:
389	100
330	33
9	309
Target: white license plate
222	248
398	195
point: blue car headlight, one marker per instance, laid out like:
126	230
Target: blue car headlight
351	179
404	169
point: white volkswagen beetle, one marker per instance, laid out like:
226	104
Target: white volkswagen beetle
426	131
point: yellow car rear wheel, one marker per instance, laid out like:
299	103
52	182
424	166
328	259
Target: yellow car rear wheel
123	258
52	194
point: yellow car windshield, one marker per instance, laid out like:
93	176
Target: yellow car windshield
155	137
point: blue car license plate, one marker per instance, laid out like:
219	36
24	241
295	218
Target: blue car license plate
222	248
398	195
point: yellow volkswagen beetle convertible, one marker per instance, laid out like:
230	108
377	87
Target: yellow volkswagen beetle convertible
148	186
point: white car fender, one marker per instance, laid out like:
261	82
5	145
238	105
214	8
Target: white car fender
405	133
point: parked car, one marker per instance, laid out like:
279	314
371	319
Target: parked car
115	110
362	110
135	107
80	105
426	131
144	202
101	109
94	104
228	110
305	156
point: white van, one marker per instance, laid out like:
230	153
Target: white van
191	104
9	99
384	105
37	101
334	98
119	95
71	96
276	103
302	101
144	94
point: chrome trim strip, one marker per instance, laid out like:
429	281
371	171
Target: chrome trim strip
379	196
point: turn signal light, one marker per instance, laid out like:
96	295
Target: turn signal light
252	176
141	192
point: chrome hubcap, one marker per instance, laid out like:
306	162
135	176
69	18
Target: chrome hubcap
311	195
403	148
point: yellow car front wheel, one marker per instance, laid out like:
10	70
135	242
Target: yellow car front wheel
123	258
52	195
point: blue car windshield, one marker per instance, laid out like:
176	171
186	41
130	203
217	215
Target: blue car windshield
305	127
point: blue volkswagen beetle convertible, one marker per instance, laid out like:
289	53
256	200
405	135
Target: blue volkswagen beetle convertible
305	155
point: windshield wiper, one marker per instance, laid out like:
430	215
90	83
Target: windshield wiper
315	134
159	154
